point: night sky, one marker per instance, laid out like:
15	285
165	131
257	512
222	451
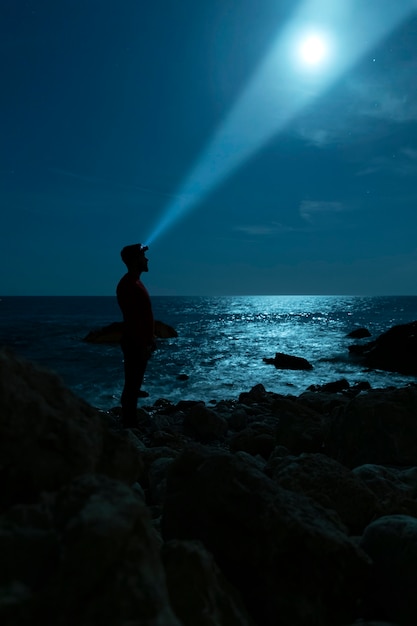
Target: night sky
199	127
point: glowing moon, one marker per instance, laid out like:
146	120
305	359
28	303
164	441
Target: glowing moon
313	50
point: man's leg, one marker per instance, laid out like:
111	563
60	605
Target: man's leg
134	369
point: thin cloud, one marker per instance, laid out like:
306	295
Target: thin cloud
273	228
309	209
401	163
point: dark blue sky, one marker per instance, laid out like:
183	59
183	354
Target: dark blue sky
295	181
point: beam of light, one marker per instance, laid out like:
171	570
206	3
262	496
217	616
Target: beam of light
282	87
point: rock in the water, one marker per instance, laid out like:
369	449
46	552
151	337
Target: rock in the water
395	350
107	334
359	333
112	333
288	362
164	331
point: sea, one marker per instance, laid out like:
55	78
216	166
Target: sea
220	347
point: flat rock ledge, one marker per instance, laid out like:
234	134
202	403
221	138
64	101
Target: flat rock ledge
112	333
259	511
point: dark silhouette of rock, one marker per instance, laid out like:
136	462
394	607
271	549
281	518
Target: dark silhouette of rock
289	546
85	555
94	519
377	427
299	427
49	436
200	594
257	439
391	542
205	423
288	362
395	350
395	488
359	333
112	333
333	387
330	484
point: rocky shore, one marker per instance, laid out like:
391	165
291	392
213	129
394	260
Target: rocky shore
265	510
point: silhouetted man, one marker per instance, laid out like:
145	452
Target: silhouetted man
138	340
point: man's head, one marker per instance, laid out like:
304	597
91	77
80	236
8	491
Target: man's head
134	257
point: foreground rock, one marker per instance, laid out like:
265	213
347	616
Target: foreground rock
378	427
49	436
277	519
86	555
277	546
395	350
112	333
391	541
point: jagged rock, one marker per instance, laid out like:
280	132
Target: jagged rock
112	333
330	484
87	555
395	350
359	333
288	362
288	556
391	542
377	427
200	594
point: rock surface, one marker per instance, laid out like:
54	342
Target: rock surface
391	542
395	350
295	511
288	362
112	333
359	333
278	547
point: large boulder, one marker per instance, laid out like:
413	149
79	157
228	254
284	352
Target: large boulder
391	542
395	350
200	594
378	427
48	436
330	484
86	555
289	557
394	487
